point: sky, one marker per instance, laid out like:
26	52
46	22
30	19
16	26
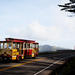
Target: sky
39	20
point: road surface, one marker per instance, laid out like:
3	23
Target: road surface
42	65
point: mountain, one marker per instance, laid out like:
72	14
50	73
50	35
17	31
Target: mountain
48	48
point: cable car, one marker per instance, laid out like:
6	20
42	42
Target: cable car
18	49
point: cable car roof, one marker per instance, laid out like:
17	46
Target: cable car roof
20	40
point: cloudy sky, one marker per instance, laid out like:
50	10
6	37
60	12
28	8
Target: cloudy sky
39	20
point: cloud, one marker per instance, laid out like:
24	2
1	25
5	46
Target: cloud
61	35
52	26
70	23
41	32
44	33
35	31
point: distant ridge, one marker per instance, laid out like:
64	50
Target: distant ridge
48	48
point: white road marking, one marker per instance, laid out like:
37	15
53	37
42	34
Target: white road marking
53	64
48	67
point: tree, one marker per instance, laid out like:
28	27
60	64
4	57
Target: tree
70	7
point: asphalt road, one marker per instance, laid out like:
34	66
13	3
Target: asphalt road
42	65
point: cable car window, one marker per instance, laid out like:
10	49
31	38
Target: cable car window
37	46
18	45
28	45
1	45
14	45
9	45
5	45
31	45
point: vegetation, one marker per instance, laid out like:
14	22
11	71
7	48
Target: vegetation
51	52
70	7
67	69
